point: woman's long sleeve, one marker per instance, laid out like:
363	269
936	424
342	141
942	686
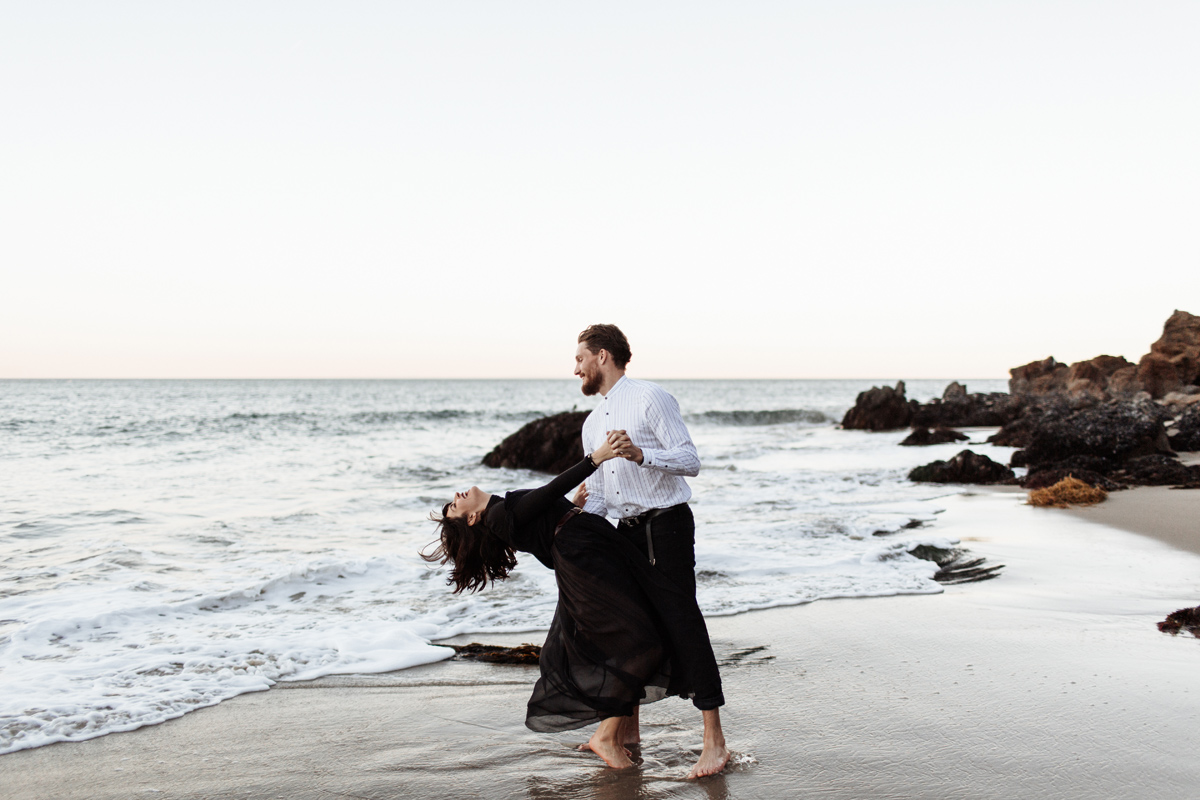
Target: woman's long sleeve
536	501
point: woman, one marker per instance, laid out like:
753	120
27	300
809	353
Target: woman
606	651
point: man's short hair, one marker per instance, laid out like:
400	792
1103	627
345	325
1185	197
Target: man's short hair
610	338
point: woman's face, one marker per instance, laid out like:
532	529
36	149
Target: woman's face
472	501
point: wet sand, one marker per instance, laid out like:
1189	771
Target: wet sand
1169	515
1051	681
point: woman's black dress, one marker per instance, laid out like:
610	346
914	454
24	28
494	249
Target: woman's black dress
607	649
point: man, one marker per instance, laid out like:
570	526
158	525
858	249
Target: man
645	490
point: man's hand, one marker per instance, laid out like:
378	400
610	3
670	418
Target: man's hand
623	447
581	496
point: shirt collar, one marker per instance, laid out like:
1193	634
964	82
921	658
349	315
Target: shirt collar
614	387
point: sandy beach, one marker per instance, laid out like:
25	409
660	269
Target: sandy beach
1051	681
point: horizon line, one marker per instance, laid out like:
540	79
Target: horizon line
462	378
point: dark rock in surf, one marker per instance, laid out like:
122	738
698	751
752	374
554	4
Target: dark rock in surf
880	408
922	437
958	409
1187	437
1116	431
1015	433
1156	470
1049	477
1083	463
966	467
550	444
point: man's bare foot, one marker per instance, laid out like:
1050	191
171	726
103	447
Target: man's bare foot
712	760
715	755
606	744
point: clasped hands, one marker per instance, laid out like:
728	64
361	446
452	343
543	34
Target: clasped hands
620	446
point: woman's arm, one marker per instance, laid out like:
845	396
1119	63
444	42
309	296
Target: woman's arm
538	500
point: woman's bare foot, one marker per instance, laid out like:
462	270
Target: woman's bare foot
605	743
631	732
715	755
614	755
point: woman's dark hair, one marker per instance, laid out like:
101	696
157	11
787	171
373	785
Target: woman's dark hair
610	338
476	555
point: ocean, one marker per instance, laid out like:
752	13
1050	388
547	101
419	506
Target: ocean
166	545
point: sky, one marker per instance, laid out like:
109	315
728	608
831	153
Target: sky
455	189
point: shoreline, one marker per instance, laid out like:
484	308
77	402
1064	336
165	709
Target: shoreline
1049	681
1151	511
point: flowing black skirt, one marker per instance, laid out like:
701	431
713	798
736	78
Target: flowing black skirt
607	649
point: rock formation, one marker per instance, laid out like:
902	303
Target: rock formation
1038	378
880	408
921	437
1048	478
1108	446
1174	360
1018	432
966	467
1187	427
958	409
1116	431
550	444
1156	470
1084	382
1172	365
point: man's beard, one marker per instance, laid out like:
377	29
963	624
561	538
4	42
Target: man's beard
591	384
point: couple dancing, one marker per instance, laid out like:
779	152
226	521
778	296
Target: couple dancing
627	629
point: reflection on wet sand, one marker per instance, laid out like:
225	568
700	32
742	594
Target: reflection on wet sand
648	780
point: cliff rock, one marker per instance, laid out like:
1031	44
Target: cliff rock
1180	345
1158	375
1038	377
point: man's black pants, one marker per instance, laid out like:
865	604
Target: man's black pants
693	665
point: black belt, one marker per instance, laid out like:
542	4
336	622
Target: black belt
566	518
633	522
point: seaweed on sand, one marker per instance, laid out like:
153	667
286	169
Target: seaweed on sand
495	654
1067	492
1184	618
955	566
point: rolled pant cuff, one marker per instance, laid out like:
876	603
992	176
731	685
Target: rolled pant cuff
709	703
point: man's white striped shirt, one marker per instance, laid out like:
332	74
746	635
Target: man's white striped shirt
650	415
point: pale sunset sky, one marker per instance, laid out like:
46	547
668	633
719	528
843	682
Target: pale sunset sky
454	189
